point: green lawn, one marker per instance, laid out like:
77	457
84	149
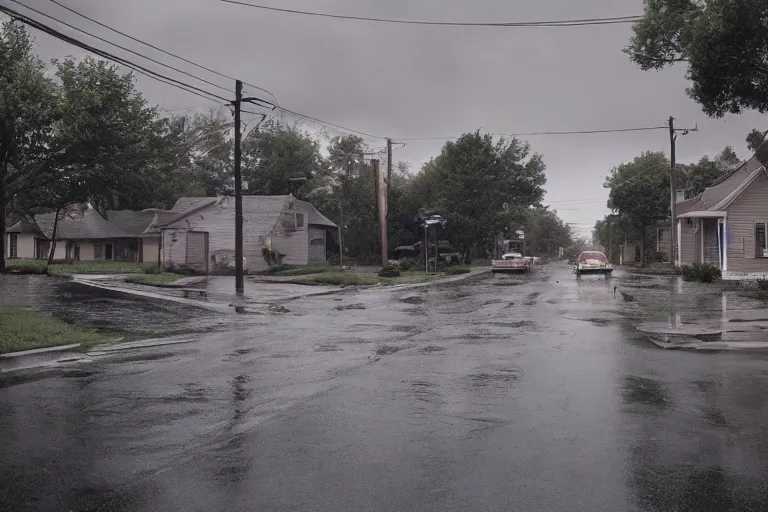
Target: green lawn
22	329
351	279
287	270
163	279
84	267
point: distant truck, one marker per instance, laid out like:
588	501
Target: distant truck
512	262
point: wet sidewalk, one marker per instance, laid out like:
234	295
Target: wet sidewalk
675	313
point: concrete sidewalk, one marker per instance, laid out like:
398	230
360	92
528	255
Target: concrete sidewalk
216	293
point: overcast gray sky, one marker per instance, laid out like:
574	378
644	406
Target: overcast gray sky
406	81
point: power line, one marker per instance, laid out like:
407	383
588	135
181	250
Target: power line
532	134
135	67
551	23
340	127
121	47
160	49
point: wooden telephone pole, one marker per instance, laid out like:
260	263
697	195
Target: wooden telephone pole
239	280
673	187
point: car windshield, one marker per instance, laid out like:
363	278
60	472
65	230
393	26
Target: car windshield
593	255
512	256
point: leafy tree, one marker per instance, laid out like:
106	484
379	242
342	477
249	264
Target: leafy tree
639	192
755	138
611	232
27	101
276	154
481	187
723	42
546	232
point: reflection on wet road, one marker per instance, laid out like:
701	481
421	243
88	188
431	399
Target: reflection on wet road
499	393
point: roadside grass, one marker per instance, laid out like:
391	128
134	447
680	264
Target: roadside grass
302	271
84	267
351	279
25	266
161	280
658	269
24	329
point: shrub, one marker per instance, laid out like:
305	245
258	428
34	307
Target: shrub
455	271
153	269
704	272
272	257
762	284
410	263
389	271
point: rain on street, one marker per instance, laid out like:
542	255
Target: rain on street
495	393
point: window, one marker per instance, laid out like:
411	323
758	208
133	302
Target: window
14	246
293	221
98	252
108	251
761	239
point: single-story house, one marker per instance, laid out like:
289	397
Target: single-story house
89	236
727	224
199	232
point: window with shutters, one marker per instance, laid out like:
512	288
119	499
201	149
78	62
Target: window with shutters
761	239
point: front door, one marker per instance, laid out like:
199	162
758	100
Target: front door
710	242
197	250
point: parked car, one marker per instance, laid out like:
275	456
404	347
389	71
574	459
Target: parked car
511	262
592	262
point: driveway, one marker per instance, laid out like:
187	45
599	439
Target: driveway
496	393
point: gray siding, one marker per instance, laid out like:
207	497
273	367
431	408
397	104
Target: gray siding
750	207
293	243
687	243
317	245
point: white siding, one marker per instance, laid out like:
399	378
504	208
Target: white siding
317	245
25	246
750	207
174	246
87	251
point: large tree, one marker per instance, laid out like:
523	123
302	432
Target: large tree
27	111
481	186
546	232
723	42
639	192
279	159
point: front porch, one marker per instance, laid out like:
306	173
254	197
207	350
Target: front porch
701	238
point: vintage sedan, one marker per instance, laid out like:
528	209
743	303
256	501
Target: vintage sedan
592	262
511	262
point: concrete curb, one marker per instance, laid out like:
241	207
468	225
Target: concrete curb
36	351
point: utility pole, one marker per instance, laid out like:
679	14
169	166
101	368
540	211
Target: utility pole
672	192
239	281
672	184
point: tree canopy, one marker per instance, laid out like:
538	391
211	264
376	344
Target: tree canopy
723	42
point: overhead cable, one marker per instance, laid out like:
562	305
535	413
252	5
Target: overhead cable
160	49
132	65
552	23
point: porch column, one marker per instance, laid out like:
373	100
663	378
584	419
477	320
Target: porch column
725	243
679	227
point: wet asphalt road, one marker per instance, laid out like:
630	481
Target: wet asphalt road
503	393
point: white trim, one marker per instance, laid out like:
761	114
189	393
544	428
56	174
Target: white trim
703	214
724	203
701	240
725	244
679	242
719	245
744	276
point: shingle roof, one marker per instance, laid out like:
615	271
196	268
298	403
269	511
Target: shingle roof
260	212
315	217
91	225
713	195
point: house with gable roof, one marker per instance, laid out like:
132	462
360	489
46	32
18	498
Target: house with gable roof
727	224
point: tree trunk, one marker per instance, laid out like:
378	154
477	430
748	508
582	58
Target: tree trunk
2	227
53	239
642	248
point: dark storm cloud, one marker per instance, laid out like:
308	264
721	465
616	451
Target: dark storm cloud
416	81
